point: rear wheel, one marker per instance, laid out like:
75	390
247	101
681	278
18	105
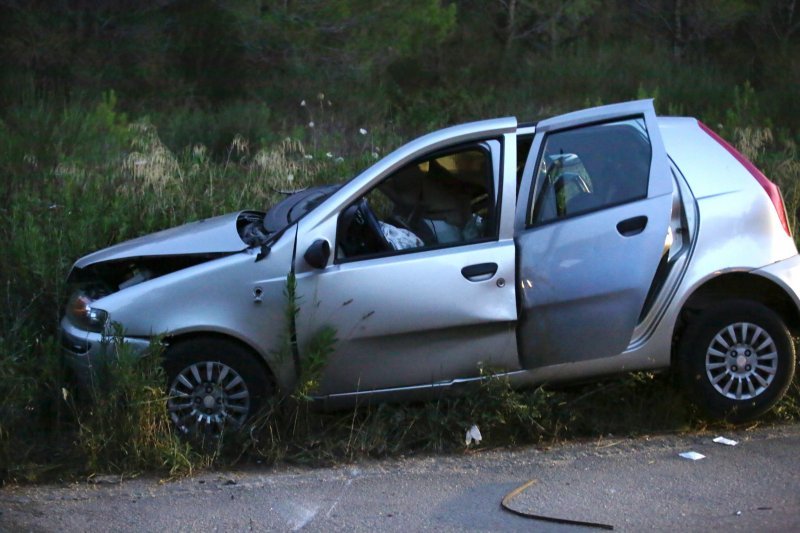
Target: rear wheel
737	359
215	385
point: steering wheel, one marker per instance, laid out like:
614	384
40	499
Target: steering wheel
360	232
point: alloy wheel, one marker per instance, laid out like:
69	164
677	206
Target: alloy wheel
206	397
741	361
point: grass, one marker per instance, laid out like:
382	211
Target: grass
85	176
124	426
637	404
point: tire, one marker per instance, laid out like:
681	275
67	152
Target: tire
214	386
736	359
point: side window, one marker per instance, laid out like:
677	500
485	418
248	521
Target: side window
447	199
591	168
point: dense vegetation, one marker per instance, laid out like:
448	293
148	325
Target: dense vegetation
120	117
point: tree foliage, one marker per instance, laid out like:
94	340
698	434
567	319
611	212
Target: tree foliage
209	49
549	22
378	56
690	22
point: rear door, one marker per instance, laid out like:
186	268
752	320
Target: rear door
591	228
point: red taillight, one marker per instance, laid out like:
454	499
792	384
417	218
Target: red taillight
772	190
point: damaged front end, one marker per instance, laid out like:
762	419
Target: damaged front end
94	277
185	278
129	263
132	262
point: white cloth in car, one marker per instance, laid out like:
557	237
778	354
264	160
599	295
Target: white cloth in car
399	238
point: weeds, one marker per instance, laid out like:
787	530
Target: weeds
320	346
633	405
124	428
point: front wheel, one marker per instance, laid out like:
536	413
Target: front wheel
214	385
737	359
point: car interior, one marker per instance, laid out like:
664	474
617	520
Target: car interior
443	200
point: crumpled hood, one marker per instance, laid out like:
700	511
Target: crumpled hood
208	236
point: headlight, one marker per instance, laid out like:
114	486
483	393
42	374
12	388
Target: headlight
81	313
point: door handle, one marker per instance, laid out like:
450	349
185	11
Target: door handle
479	272
632	226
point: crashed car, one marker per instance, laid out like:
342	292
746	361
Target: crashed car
602	241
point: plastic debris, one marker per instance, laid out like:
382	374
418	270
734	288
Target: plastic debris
726	441
692	456
473	435
506	504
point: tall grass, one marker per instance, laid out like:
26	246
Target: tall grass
124	427
80	177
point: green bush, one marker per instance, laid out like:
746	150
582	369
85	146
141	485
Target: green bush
32	413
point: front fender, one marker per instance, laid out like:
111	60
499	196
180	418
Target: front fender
235	296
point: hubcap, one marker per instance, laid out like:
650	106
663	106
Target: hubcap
206	397
741	361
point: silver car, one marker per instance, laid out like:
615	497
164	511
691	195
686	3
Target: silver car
603	241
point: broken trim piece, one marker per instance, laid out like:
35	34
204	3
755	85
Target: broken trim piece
506	504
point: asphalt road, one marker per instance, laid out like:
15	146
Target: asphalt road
630	484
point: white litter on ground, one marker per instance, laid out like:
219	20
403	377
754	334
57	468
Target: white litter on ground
473	435
693	456
726	441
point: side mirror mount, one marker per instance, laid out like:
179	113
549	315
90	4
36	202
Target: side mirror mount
318	253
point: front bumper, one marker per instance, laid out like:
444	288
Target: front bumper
85	351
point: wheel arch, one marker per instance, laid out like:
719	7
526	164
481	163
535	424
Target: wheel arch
262	361
739	286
